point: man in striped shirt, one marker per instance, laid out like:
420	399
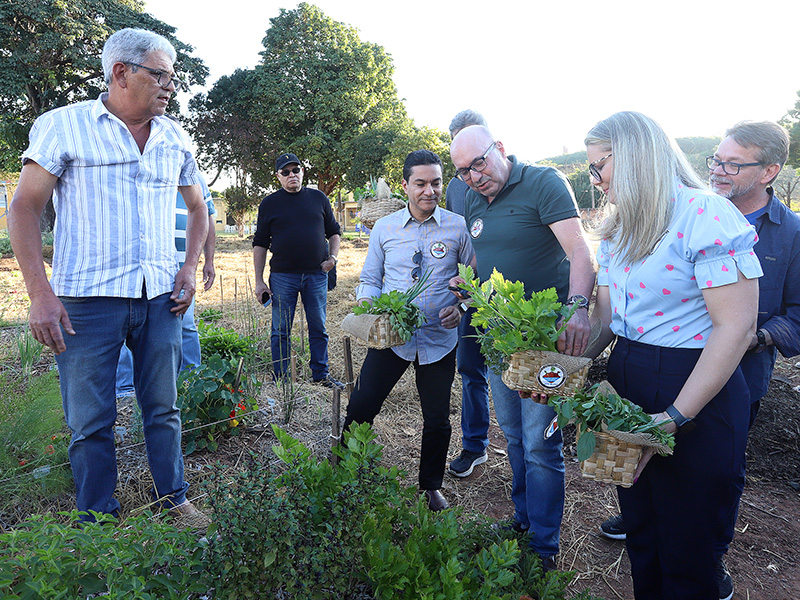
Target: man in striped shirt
113	167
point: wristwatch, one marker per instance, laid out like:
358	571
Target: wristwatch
581	301
684	423
335	259
462	308
761	343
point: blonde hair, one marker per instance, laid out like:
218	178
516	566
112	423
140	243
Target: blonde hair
645	168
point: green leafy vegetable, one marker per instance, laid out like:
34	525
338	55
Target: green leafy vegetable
592	409
506	322
404	316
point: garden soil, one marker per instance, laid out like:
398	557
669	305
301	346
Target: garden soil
763	558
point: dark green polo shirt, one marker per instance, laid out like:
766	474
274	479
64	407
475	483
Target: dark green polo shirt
512	234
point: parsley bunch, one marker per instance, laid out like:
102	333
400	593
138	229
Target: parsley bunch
591	409
404	316
506	322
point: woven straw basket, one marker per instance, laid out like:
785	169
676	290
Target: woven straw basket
613	461
373	209
382	334
542	372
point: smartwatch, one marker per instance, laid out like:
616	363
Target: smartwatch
761	343
580	300
684	423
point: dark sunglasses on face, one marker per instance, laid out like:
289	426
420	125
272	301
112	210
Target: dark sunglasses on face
286	172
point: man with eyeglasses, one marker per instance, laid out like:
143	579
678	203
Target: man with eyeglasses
743	169
297	224
524	222
114	167
404	246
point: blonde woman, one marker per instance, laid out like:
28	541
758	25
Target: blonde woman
678	286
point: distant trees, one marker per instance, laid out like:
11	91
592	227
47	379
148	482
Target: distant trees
50	57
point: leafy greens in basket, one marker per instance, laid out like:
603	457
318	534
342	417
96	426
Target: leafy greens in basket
404	316
593	408
506	322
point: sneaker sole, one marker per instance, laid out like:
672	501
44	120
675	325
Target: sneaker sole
613	536
478	461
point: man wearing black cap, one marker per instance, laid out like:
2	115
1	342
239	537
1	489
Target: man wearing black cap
294	223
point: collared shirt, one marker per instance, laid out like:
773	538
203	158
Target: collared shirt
778	248
659	300
443	242
182	218
115	205
512	232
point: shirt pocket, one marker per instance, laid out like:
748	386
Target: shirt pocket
167	166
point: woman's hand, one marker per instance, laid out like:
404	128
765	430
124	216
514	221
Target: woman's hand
668	425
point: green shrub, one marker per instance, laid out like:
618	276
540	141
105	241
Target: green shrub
215	339
144	560
209	315
295	533
210	400
5	245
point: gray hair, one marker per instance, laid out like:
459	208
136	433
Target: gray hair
464	119
133	45
771	139
646	165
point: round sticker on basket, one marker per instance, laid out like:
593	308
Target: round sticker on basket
551	376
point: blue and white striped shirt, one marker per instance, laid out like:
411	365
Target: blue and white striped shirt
115	205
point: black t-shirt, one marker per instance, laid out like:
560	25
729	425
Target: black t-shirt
295	228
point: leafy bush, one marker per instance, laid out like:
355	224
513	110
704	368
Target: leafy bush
209	315
5	245
296	532
211	401
215	339
145	559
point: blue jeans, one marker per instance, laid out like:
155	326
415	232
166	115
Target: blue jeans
537	464
190	348
87	370
474	388
313	289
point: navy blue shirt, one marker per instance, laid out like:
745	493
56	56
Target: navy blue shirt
778	249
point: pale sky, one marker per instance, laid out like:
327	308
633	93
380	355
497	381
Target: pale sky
543	73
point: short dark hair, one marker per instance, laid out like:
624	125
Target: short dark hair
420	157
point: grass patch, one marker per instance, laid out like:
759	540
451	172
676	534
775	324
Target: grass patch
33	440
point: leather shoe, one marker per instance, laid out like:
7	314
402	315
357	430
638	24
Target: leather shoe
436	501
187	516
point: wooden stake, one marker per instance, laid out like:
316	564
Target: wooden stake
348	365
335	414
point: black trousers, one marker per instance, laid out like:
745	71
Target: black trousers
380	372
675	512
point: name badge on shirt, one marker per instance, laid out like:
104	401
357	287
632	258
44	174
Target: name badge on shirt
438	250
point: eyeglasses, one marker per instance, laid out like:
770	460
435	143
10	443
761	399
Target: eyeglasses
417	260
594	171
178	83
729	168
286	172
478	165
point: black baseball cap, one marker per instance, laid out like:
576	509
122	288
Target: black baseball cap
286	159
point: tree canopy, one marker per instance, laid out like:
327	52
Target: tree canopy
50	56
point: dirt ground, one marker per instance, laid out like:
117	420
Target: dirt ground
762	560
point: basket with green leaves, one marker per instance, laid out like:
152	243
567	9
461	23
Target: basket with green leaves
612	433
517	335
389	320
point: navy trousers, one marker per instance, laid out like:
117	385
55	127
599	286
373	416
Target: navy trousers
677	508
